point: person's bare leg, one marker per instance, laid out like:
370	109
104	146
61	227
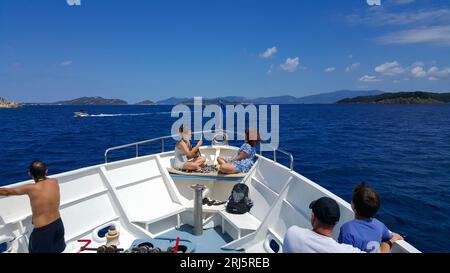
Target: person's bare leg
201	161
191	166
227	168
221	160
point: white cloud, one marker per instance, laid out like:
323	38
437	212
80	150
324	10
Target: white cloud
352	67
290	65
66	63
381	17
438	35
368	78
390	69
330	69
435	73
373	2
433	70
418	72
430	25
269	52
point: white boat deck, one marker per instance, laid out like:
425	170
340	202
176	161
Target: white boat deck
144	201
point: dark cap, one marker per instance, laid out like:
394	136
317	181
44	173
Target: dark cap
326	210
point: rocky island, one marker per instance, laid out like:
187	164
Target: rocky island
322	98
145	102
7	104
418	97
92	101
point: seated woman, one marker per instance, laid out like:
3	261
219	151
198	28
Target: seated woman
244	159
186	157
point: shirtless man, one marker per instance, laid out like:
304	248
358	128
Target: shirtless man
48	232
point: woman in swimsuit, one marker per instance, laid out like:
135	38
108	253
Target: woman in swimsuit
244	159
186	157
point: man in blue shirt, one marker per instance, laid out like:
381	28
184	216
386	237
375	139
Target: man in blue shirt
366	232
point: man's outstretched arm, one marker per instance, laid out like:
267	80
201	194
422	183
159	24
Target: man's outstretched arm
21	190
386	246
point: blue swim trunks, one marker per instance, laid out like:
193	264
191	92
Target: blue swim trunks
48	239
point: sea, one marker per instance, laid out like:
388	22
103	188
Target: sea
403	151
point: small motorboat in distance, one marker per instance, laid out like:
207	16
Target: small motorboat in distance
81	114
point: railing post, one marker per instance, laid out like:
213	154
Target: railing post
275	155
198	208
137	150
162	145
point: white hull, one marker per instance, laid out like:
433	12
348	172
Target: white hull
81	114
141	197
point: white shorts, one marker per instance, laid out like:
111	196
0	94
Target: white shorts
177	164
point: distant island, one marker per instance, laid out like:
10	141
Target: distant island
218	100
92	101
7	104
341	97
145	102
172	101
323	98
418	97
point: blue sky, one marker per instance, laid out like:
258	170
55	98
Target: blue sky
139	49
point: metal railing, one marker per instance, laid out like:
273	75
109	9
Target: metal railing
161	139
291	157
137	144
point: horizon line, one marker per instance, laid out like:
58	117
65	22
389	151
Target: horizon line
210	98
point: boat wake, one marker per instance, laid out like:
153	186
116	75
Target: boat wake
126	114
122	114
118	115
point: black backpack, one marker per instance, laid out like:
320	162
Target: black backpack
239	202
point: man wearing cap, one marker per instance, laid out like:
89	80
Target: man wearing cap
325	214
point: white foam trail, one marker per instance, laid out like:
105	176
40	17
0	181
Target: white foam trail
129	114
118	115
